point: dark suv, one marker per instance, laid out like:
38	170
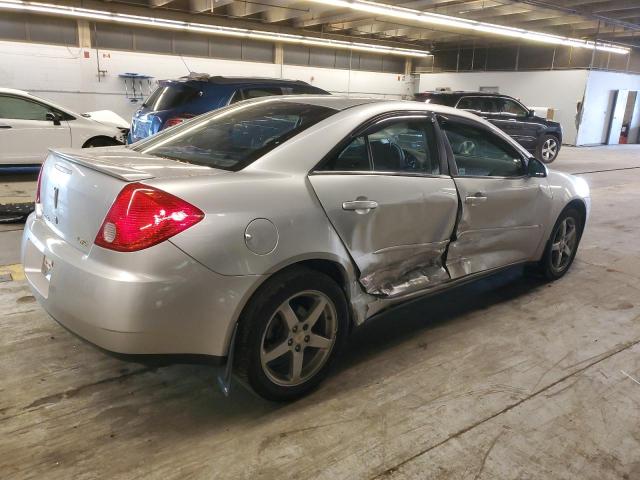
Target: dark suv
541	137
174	101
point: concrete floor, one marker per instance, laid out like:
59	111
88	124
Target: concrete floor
507	378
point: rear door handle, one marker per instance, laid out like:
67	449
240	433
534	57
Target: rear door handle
360	206
475	199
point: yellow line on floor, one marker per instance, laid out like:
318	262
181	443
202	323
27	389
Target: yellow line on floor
16	271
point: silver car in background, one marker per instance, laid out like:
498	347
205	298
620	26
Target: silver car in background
262	232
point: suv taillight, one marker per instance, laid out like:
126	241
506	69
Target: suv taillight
172	122
143	216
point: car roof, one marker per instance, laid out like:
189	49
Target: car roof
462	93
220	80
14	91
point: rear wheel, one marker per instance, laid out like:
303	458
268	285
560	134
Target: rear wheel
290	333
548	148
562	245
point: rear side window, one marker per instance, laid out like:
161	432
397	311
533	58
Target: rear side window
478	104
303	90
480	153
234	137
22	109
399	146
248	93
166	97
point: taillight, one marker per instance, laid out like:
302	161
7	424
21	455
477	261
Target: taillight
39	183
172	122
143	216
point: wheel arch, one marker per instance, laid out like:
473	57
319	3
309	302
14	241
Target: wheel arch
100	137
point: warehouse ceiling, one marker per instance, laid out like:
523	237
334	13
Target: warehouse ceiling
607	20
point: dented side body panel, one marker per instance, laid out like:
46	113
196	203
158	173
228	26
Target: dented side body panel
399	245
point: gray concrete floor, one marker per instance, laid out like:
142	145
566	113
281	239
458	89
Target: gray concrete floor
506	378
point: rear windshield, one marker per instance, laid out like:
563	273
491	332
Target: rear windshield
166	97
234	137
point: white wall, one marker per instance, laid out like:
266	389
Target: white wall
65	76
558	89
598	104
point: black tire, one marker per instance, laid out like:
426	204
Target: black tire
262	317
100	142
548	148
549	266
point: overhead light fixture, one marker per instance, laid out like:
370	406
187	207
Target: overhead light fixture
462	23
101	15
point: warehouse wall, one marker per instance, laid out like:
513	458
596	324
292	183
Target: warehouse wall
66	75
598	105
560	90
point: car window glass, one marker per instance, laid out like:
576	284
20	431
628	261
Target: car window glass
353	158
233	137
260	92
479	104
478	152
166	97
21	109
513	108
405	146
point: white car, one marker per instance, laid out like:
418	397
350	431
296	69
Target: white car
30	126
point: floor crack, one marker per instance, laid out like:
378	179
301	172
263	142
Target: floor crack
625	346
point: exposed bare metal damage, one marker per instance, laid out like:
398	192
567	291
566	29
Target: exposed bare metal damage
403	273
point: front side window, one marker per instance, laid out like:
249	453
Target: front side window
400	146
22	109
481	153
234	137
513	108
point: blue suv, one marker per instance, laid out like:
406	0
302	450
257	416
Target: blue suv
174	101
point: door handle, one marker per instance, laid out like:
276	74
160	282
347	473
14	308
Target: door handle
4	125
475	199
360	206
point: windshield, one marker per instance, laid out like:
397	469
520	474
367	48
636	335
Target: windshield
166	97
236	136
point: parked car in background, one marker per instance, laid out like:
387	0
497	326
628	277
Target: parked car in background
276	225
174	101
538	135
30	126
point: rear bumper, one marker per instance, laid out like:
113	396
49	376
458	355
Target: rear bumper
155	301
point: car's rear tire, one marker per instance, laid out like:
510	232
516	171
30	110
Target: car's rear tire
548	148
290	333
562	245
97	142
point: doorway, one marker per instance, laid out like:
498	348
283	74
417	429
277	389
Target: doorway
622	116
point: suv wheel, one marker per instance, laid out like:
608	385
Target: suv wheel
548	148
290	333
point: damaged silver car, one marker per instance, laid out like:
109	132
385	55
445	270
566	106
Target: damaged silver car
261	233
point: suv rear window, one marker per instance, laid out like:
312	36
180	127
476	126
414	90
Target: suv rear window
166	97
236	136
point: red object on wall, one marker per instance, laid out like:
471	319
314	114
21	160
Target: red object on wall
86	54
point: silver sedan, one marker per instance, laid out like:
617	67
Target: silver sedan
260	234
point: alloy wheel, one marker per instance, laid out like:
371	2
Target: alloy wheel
549	149
298	338
564	244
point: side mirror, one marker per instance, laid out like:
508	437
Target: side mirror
532	113
535	168
53	117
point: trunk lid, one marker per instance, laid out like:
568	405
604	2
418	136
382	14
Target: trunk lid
78	187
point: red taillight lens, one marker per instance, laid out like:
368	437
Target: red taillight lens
39	183
172	122
143	216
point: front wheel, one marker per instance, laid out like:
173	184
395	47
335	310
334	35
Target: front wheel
290	333
548	148
562	245
98	142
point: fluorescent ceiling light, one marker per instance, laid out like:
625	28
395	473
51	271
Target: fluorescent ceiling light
448	21
100	15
